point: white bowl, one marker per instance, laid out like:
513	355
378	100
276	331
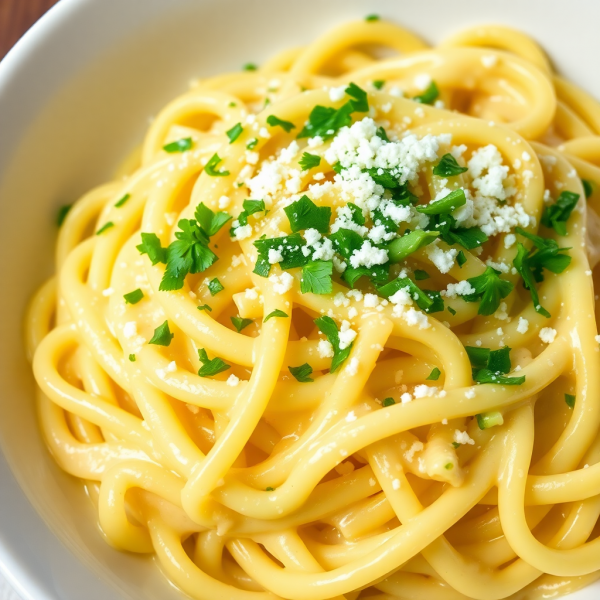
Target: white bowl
76	94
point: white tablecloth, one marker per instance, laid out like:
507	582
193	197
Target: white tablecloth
6	591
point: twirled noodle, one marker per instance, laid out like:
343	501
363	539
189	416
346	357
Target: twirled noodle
408	471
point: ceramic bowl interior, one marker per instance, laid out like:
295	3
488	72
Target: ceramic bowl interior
76	95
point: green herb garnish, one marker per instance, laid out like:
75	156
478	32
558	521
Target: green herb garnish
274	121
211	367
305	214
302	373
209	168
122	201
556	215
309	161
448	167
434	375
328	327
240	323
316	277
429	96
215	286
162	335
275	313
235	132
133	297
490	290
182	145
105	227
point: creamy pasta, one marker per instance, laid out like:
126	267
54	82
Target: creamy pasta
331	332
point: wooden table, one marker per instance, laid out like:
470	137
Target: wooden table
16	17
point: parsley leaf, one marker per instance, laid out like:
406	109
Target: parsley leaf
490	289
556	215
491	419
461	259
446	205
189	253
328	327
305	214
63	211
162	335
570	400
448	167
530	265
240	323
428	301
468	238
491	366
133	297
235	132
324	121
378	83
250	207
250	67
105	227
420	275
290	247
204	307
451	311
588	187
387	402
275	313
434	375
252	144
211	367
274	121
381	133
371	18
378	274
209	221
357	214
122	201
316	277
429	96
182	145
151	246
308	161
404	246
210	166
302	373
132	357
215	286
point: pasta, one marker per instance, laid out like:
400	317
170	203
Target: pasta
331	332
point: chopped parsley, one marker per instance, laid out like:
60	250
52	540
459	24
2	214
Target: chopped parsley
105	227
309	161
429	96
290	247
235	132
215	286
490	290
588	187
269	489
404	246
570	400
211	165
371	18
530	264
252	144
446	205
381	133
448	167
133	297
490	419
190	253
328	327
491	366
429	301
302	373
162	335
378	274
324	121
378	83
556	215
250	207
274	121
122	201
151	246
420	275
305	214
204	307
387	402
316	277
250	67
63	211
132	357
451	311
275	313
461	259
211	367
182	145
434	375
240	323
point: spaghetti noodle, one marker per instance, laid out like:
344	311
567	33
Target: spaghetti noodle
332	333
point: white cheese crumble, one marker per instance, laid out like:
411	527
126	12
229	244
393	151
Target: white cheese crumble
415	317
470	394
443	260
462	288
171	367
395	484
368	256
523	325
233	381
325	349
130	329
108	292
251	294
282	283
462	437
425	391
352	368
422	81
274	256
489	61
547	335
337	93
346	335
